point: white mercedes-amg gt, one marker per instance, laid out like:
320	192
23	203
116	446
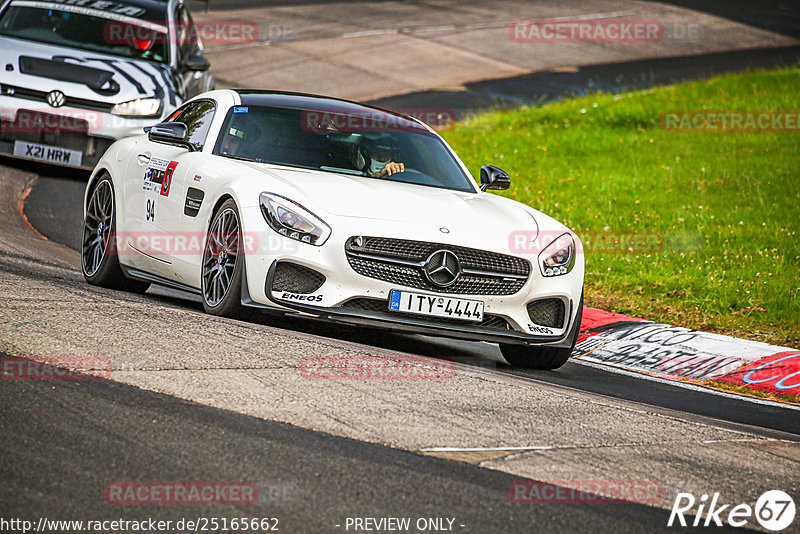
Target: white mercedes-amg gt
326	208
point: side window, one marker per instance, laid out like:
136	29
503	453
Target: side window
197	117
185	33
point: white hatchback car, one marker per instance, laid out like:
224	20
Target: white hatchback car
78	75
327	208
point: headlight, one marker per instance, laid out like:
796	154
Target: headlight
292	220
141	107
558	257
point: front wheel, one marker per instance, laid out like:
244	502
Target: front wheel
543	358
223	263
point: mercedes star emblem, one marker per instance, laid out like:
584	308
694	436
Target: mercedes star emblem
56	99
442	268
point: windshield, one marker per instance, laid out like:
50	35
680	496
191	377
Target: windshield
91	30
378	145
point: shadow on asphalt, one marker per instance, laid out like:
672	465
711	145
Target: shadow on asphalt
541	87
778	16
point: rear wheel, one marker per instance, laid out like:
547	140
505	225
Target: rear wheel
99	259
223	263
544	358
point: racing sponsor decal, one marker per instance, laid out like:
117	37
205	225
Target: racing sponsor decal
167	181
663	350
536	329
194	199
93	7
153	185
285	295
154	174
778	373
150	210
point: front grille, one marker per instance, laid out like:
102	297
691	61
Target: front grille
41	96
547	312
295	278
381	306
400	262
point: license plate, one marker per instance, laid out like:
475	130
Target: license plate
432	305
50	154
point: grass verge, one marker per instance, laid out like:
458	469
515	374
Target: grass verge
718	212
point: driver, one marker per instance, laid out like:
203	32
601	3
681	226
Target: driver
233	141
378	156
242	137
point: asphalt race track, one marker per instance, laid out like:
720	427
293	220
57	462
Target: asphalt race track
196	398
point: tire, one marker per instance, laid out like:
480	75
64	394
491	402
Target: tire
543	358
223	263
99	258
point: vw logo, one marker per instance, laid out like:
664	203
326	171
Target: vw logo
442	268
56	99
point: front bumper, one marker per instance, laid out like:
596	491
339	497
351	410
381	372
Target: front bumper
506	317
428	326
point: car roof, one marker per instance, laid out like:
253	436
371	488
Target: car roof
323	104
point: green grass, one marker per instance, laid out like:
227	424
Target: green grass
724	207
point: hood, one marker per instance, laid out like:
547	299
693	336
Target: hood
407	204
85	75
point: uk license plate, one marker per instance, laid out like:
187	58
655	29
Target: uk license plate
50	154
436	306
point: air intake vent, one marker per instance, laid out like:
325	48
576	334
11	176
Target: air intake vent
296	278
547	312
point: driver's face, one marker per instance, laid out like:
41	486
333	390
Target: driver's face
380	154
232	144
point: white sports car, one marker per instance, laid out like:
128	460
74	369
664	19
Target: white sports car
326	208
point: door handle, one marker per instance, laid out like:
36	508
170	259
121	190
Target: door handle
144	159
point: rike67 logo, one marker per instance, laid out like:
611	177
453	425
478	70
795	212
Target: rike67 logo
774	511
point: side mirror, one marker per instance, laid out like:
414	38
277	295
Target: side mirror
170	133
494	178
196	62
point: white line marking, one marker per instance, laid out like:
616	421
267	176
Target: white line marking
367	33
481	449
593	16
686	385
